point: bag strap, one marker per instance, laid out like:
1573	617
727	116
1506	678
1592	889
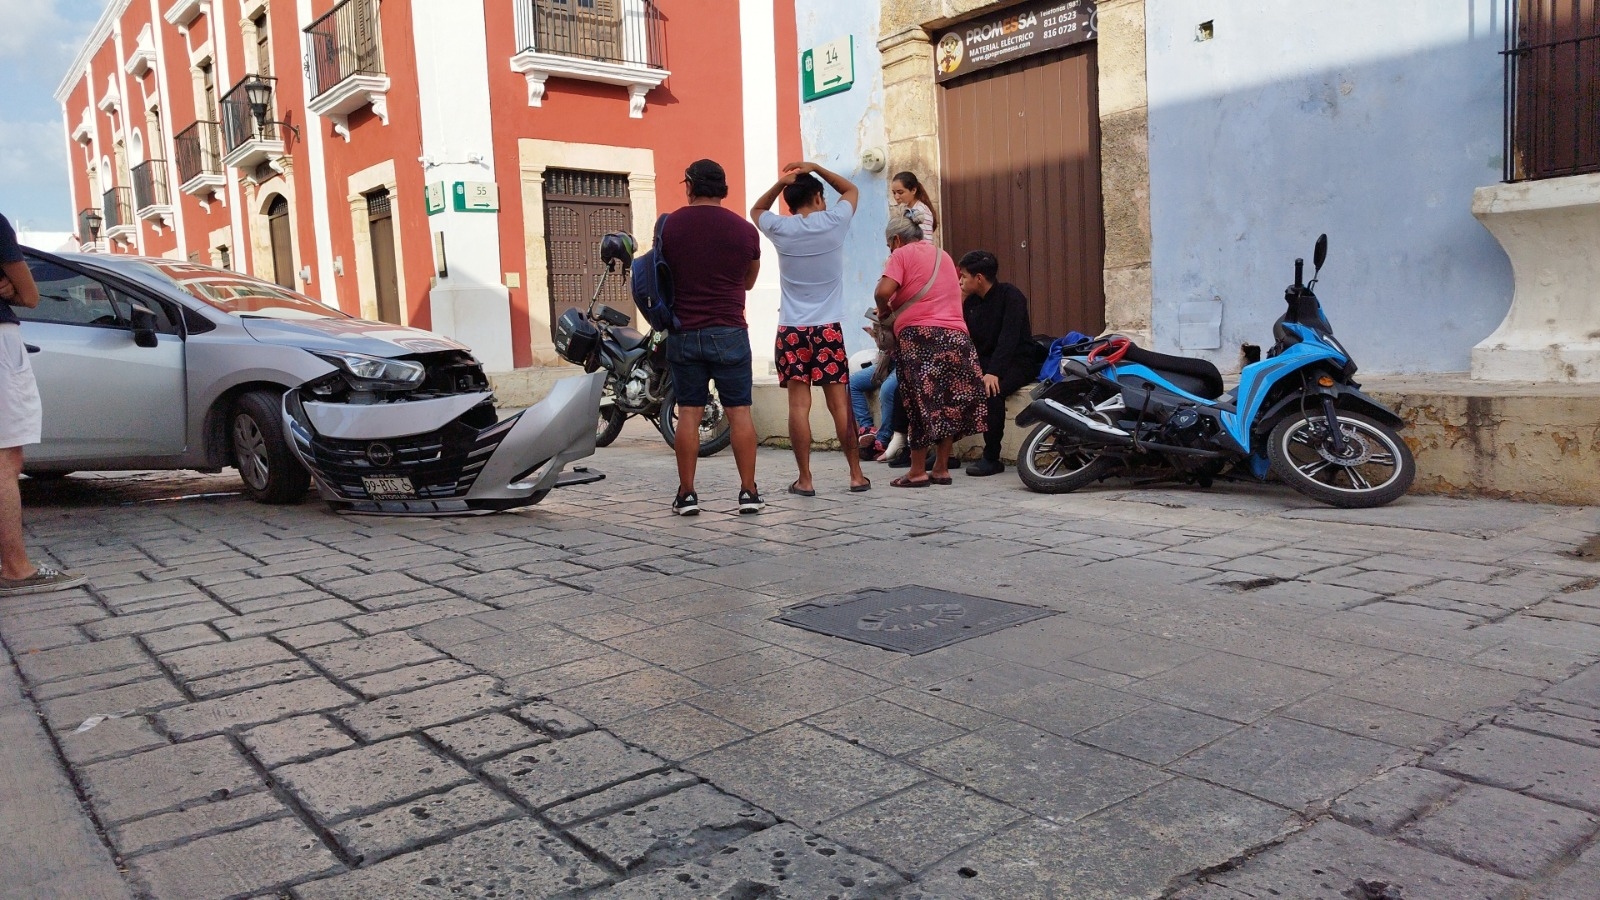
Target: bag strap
938	260
661	230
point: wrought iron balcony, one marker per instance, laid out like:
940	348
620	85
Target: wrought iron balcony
346	59
617	42
151	199
1552	60
199	151
90	223
247	142
117	207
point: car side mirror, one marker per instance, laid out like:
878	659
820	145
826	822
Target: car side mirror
143	321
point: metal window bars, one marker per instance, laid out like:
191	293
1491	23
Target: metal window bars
624	32
1552	88
199	151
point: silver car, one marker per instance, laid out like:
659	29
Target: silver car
159	364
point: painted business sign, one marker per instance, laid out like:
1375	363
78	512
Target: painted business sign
1012	33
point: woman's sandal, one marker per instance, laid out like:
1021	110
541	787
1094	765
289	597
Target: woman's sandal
905	482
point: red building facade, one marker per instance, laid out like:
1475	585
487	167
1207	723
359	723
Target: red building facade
446	164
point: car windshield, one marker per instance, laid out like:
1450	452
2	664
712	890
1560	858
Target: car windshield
241	295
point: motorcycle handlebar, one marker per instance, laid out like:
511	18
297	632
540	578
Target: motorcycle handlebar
1299	273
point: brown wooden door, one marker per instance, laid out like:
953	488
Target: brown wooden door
1021	153
579	209
282	242
380	231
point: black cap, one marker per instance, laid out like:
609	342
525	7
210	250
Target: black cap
706	178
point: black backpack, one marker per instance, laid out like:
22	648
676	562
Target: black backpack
652	284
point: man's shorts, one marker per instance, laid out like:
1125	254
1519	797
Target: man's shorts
811	353
20	418
700	357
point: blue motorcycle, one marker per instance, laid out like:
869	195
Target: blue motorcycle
1119	409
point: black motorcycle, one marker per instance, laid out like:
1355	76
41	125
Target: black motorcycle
639	382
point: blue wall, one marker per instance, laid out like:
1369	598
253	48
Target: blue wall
836	130
1370	120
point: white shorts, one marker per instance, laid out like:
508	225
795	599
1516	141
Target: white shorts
20	416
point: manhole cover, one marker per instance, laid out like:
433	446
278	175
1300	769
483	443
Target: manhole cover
909	619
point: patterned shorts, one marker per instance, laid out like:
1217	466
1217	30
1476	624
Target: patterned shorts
811	353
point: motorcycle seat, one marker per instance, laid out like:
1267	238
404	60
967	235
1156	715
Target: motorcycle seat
628	338
1197	376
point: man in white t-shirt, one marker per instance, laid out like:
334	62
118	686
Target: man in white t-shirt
810	346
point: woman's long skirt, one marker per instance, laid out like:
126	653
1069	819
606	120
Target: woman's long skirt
942	384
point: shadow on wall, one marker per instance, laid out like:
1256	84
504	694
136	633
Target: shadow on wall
1382	155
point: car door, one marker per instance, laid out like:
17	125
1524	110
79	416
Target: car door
105	398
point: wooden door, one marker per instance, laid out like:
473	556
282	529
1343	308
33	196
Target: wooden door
579	209
282	242
386	276
1020	145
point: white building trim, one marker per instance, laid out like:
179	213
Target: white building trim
757	37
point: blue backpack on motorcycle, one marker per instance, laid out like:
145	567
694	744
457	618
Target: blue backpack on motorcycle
1050	373
652	284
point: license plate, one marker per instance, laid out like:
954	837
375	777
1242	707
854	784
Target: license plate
389	488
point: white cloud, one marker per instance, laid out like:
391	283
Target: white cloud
33	169
37	35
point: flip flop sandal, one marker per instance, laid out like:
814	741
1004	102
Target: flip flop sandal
795	490
905	482
861	488
941	479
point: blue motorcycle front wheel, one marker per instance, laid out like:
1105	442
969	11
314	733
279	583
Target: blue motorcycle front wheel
1372	467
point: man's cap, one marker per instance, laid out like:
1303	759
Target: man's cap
707	177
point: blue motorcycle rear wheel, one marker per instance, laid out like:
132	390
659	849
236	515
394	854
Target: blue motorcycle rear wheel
1051	462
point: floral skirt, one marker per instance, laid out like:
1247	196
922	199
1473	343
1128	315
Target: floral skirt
941	383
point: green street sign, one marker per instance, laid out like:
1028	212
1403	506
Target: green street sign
828	69
435	196
476	196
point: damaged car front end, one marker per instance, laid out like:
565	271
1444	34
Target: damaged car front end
419	434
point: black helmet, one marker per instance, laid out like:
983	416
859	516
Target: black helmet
618	246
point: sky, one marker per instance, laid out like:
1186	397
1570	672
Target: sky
38	40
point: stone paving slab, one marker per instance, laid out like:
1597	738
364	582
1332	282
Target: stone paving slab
295	740
1508	833
517	858
399	828
484	738
782	863
172	828
438	705
1543	767
548	774
238	863
684	824
254	707
364	779
164	778
1289	763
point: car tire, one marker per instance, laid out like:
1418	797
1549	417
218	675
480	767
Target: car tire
270	470
47	476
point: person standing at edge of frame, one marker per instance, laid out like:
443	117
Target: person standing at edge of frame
810	342
21	423
715	256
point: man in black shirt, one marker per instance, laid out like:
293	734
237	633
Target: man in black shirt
997	317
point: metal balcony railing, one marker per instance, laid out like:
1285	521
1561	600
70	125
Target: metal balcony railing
199	151
625	32
344	43
118	208
238	120
150	184
86	235
1552	92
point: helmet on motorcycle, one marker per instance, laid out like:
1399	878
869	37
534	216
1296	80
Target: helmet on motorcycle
862	359
618	246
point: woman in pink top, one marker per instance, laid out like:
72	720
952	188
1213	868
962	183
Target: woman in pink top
941	380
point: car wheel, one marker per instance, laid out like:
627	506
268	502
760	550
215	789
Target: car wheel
269	468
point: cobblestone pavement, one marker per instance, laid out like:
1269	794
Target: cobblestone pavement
1241	695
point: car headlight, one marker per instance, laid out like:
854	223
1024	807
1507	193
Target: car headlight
376	369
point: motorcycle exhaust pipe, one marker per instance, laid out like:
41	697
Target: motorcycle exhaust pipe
1074	423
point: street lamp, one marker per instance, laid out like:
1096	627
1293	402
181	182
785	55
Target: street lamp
258	93
94	220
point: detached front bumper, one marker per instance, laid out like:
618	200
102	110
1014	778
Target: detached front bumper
445	455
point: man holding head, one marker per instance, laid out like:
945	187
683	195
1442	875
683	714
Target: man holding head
997	317
810	345
715	257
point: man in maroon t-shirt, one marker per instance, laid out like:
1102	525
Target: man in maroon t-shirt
714	255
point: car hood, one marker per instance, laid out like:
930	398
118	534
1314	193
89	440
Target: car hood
349	336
